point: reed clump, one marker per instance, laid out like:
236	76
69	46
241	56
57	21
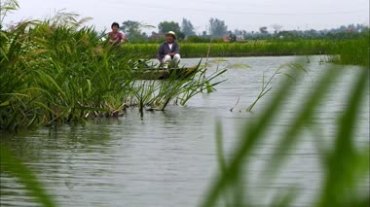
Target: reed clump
55	72
354	51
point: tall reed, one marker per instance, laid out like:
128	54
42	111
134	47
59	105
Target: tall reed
55	72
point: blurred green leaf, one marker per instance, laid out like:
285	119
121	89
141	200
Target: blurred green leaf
17	169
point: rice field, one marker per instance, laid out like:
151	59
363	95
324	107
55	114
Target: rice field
351	50
253	48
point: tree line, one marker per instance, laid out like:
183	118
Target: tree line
217	29
134	29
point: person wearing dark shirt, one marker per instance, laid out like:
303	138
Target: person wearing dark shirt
169	51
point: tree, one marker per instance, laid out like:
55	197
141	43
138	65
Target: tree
133	29
263	30
187	28
166	26
217	28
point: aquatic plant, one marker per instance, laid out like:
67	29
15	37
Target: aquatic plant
354	51
181	85
56	71
267	84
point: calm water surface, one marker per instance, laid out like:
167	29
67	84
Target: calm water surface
168	159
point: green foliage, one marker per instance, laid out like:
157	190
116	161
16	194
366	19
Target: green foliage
266	84
133	30
55	72
9	164
7	6
354	51
167	26
251	48
180	87
197	39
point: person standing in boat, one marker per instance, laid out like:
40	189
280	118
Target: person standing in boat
115	36
169	51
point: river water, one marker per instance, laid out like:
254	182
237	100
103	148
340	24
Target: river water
168	158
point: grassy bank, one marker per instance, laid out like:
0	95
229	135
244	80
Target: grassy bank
355	51
251	48
351	51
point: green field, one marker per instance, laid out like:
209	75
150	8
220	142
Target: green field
352	51
252	48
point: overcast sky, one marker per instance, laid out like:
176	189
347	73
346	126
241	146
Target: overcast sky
238	14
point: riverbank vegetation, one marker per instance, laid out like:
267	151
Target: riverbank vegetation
219	41
55	72
350	51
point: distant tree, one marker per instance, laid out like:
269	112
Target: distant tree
166	26
232	37
217	28
263	30
288	34
241	34
133	29
187	28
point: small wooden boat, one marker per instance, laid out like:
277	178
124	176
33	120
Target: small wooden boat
162	73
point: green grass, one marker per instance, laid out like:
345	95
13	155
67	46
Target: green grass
55	72
14	167
351	51
251	48
354	52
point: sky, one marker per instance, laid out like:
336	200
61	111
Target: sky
247	15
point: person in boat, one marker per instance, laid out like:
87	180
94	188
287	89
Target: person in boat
115	36
169	51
